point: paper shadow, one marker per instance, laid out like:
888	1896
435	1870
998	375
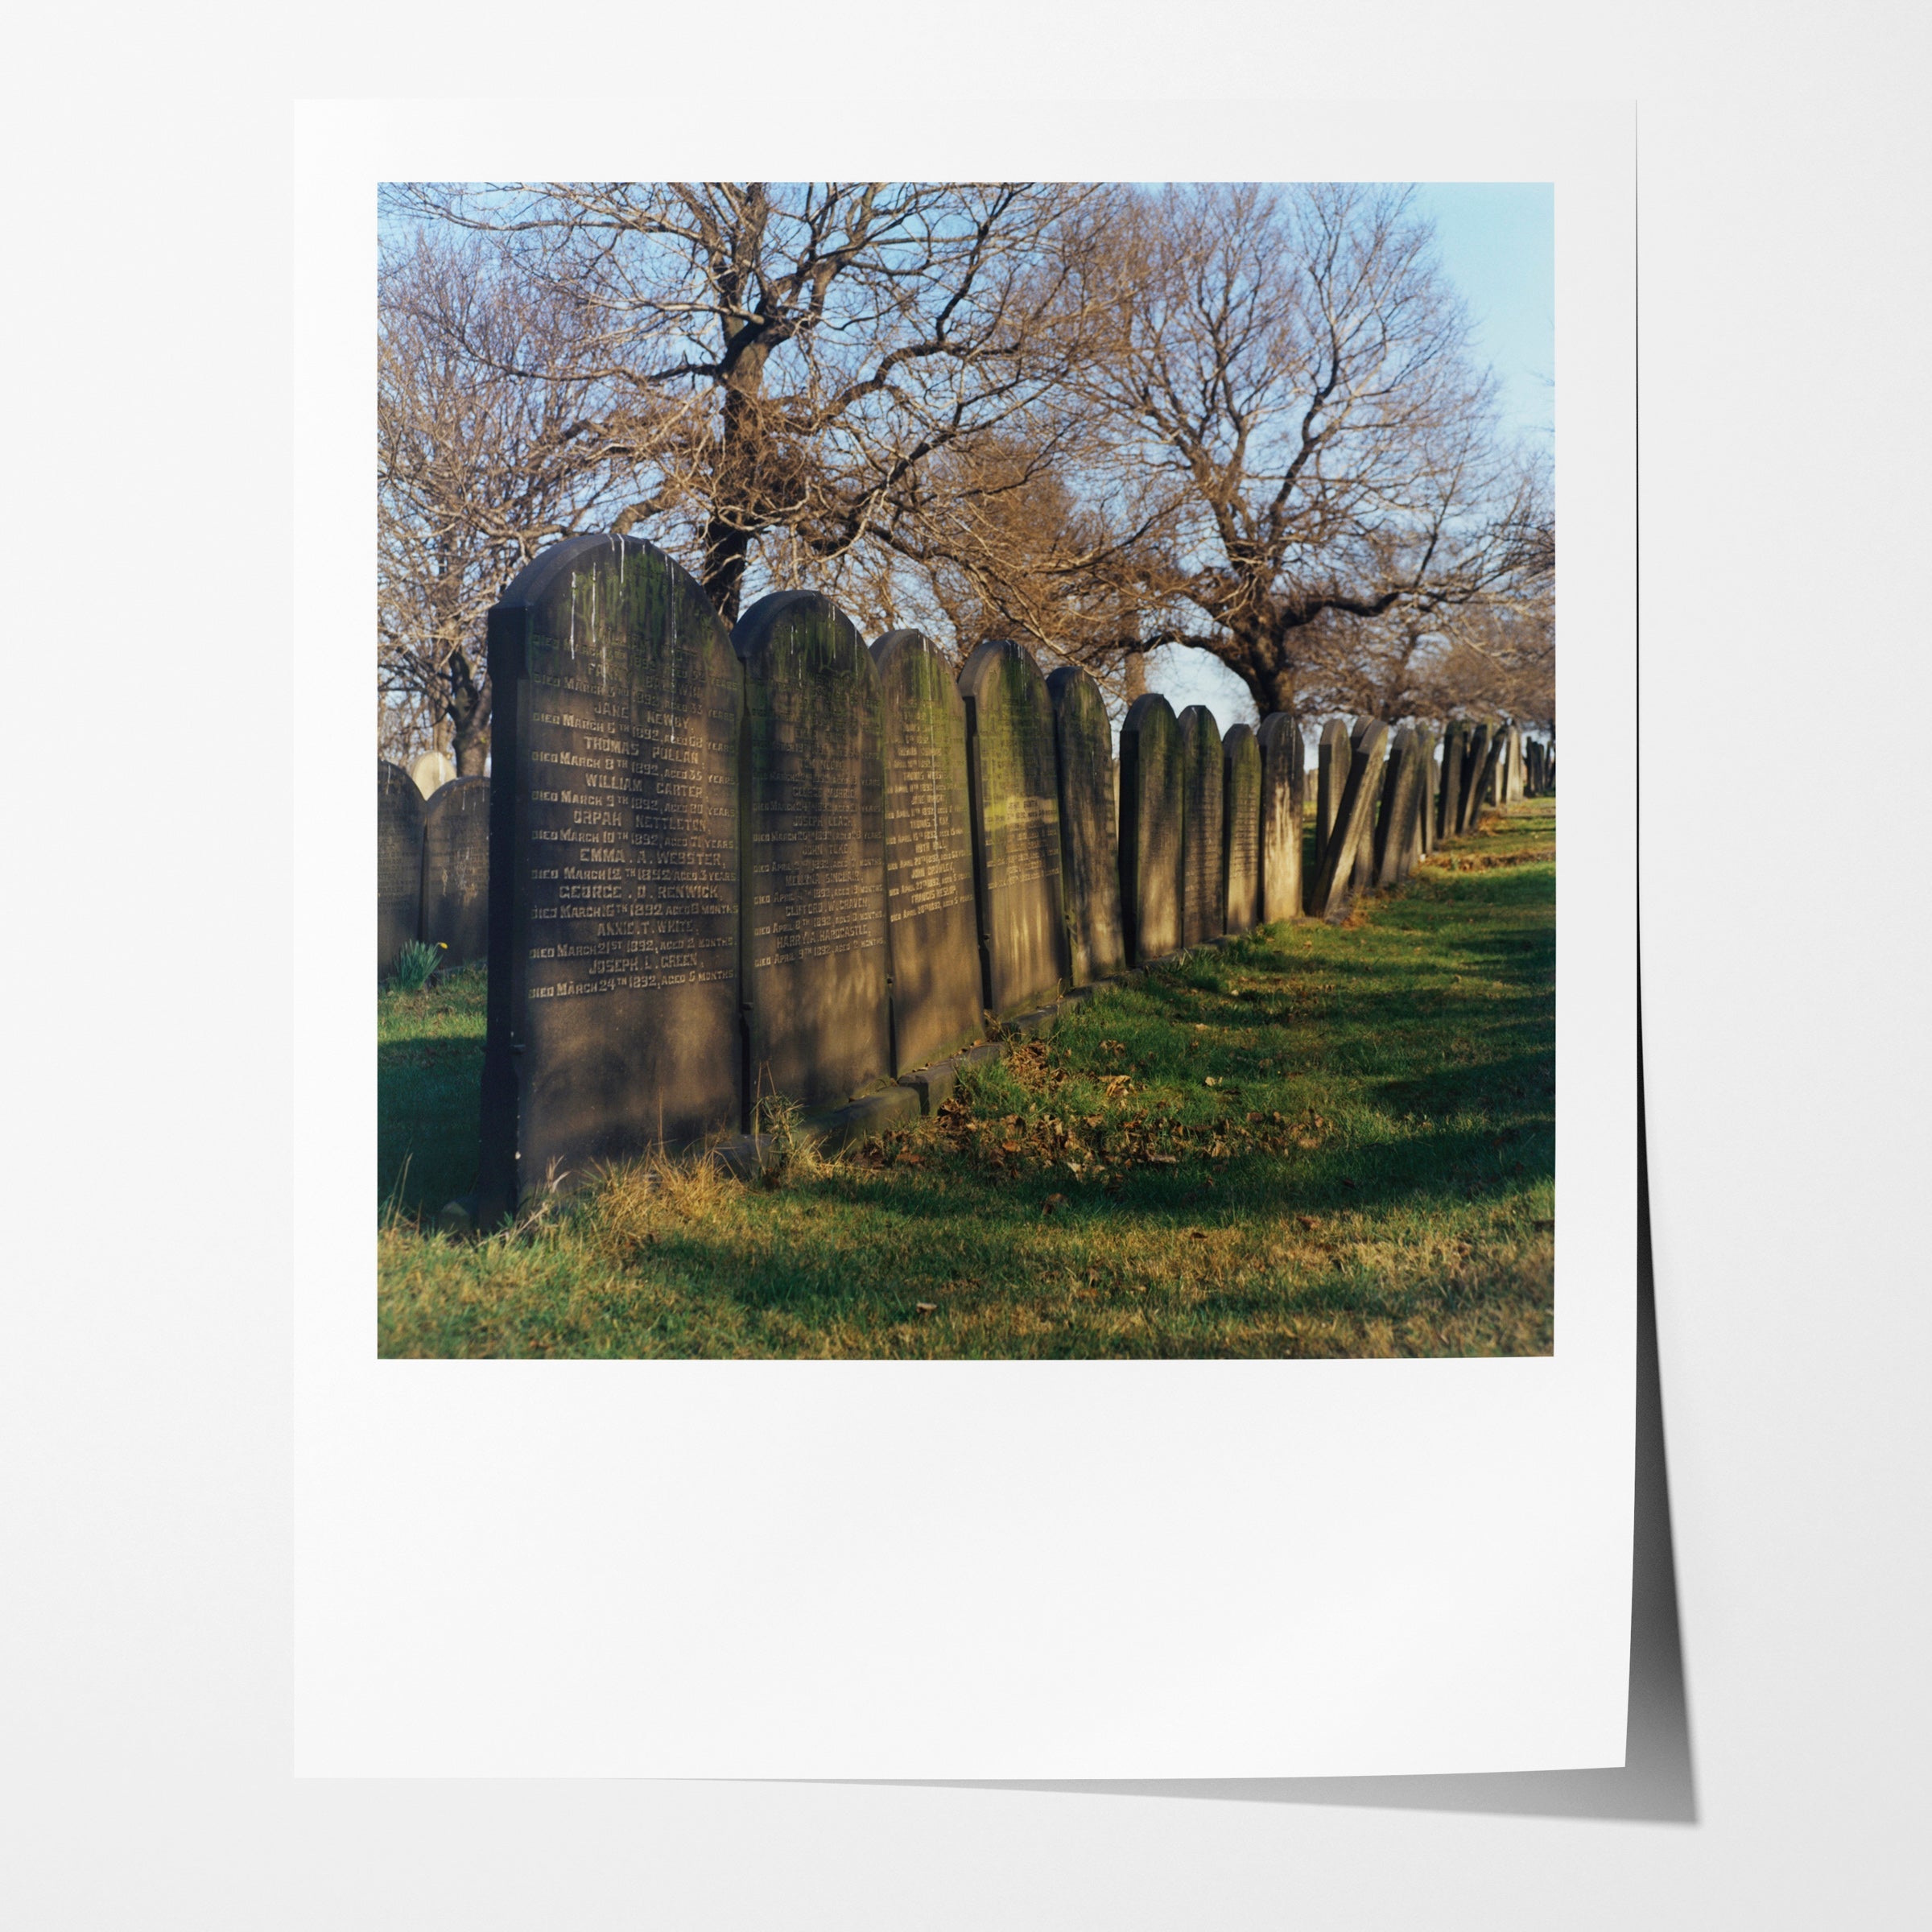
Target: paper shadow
1656	1783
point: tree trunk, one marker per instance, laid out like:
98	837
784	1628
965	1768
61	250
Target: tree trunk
468	710
738	480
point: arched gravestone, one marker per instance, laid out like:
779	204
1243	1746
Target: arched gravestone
931	925
1283	788
431	772
612	1009
1201	789
1090	872
1016	824
1240	830
1455	736
1354	823
456	869
398	864
812	827
1475	752
1151	829
1331	780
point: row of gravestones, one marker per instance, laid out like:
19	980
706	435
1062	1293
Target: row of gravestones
771	861
432	867
433	851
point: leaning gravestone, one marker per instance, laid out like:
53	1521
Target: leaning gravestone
1240	830
1283	790
398	864
1484	789
1202	781
1016	824
1354	823
1090	872
930	916
1476	750
812	824
1151	829
455	870
1331	781
1455	740
1364	853
612	1009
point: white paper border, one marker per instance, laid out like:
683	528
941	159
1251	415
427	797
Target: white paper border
1017	1569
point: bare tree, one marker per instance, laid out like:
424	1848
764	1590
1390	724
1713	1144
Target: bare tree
1290	365
488	446
803	351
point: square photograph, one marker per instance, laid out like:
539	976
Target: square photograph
965	770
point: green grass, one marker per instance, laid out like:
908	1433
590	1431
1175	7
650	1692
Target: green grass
1325	1139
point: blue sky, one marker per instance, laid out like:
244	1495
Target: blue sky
1496	242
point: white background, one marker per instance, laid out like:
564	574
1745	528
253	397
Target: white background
870	1569
147	1721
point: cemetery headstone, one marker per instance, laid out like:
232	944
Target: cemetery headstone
932	916
1365	851
811	826
1400	788
431	771
612	1007
1450	786
456	869
1016	823
1090	872
1476	751
1151	829
1331	780
1354	823
1423	841
1240	830
1202	784
1483	789
398	864
1278	853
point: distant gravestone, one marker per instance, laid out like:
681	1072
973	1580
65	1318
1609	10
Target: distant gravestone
1476	750
1283	792
431	772
812	827
1400	790
1450	791
613	1011
1201	785
1331	780
398	864
1354	823
1365	852
455	870
1484	789
1422	820
932	922
1240	830
1151	829
1090	872
1016	823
